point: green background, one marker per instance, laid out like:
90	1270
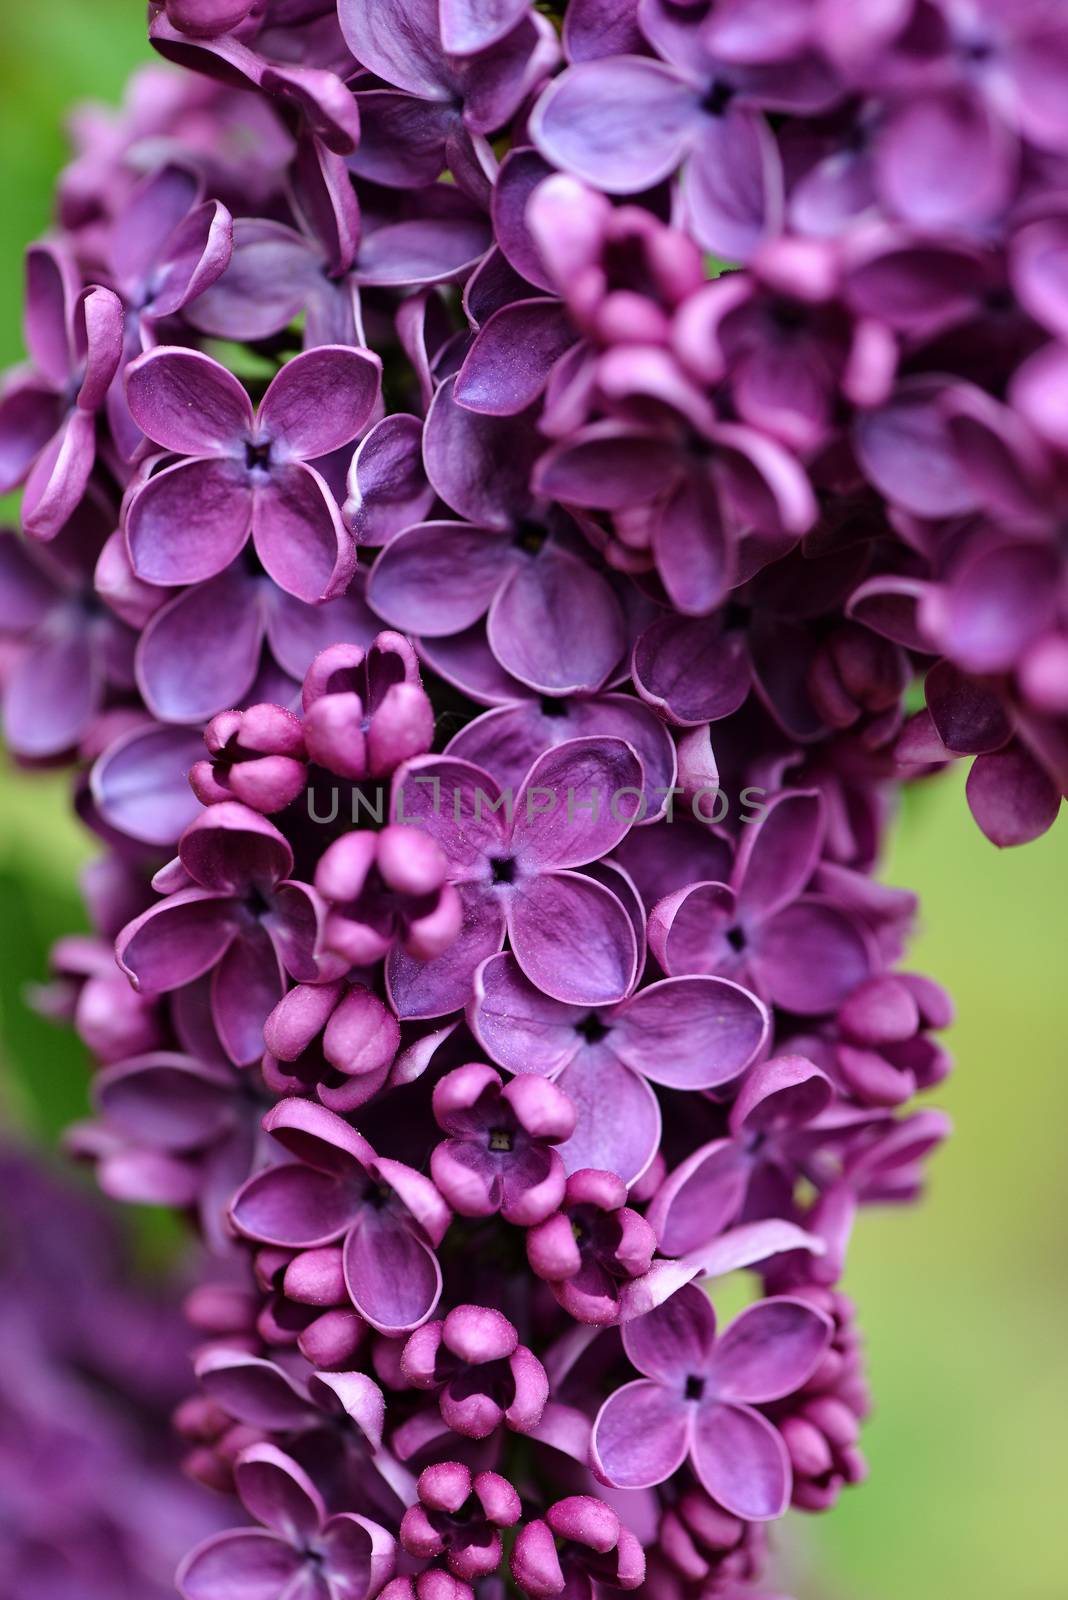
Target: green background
964	1300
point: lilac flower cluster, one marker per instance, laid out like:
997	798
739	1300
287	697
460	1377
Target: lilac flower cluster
495	474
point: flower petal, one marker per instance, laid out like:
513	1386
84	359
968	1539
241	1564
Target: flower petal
299	535
509	363
387	484
573	939
200	654
676	1340
640	1435
245	988
444	984
187	523
770	1350
556	625
577	802
520	1028
690	1033
742	1462
619	1121
438	577
176	941
393	1278
140	783
320	400
187	402
479	465
778	854
700	1198
279	1493
623	123
733	183
243	1565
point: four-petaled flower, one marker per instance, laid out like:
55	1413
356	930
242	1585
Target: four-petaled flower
247	471
388	1218
300	1550
698	1395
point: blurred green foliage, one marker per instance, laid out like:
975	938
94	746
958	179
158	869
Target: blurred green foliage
964	1300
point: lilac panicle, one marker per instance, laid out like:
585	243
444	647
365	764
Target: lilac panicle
512	492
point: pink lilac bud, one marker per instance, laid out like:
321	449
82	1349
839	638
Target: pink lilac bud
482	1374
578	1547
387	888
366	711
459	1518
593	1245
820	1425
256	756
885	1053
702	1546
335	1040
500	1155
111	1019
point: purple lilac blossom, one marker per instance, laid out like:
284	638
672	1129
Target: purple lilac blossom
525	487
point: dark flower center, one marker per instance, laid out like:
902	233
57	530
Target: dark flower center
553	708
257	903
257	456
500	1139
977	50
788	316
529	537
695	1388
503	868
717	99
736	939
592	1028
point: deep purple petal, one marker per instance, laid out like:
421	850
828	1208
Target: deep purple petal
444	984
556	625
279	1493
245	988
509	363
479	465
188	522
176	941
640	1436
243	1565
393	1278
778	854
1011	798
676	1340
573	939
438	577
187	402
520	1028
690	1033
741	1461
700	1198
388	487
768	1351
623	124
140	783
619	1122
299	535
320	400
200	654
577	802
